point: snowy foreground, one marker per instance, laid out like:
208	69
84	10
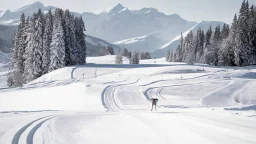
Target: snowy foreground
110	104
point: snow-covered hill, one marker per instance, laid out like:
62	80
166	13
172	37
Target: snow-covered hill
99	103
172	45
147	43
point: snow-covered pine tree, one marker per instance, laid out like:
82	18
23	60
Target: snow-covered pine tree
242	40
66	29
208	36
224	32
142	55
119	58
37	43
28	64
111	50
225	43
17	56
47	39
134	58
80	37
74	45
71	44
129	55
167	56
212	56
21	45
14	57
57	54
199	45
125	52
147	55
179	50
171	57
252	35
190	48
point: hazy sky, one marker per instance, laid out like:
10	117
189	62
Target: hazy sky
194	10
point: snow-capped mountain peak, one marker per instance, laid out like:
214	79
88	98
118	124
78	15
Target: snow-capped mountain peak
35	5
112	11
147	10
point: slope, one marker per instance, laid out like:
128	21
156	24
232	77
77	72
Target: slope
172	45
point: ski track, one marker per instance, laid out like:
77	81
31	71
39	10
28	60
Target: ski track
16	137
127	96
30	137
224	95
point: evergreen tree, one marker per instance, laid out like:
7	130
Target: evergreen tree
252	35
47	39
167	56
119	58
171	57
208	36
129	55
28	64
18	50
125	52
14	57
242	49
111	50
57	56
179	50
134	58
147	55
37	44
72	55
80	37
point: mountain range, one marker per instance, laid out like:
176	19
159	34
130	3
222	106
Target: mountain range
146	29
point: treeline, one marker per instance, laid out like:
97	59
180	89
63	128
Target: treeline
134	58
46	42
226	46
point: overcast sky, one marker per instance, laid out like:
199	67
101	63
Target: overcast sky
194	10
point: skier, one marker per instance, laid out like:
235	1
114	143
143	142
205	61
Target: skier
154	102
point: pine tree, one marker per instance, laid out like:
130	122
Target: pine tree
80	37
252	35
47	39
18	51
71	44
129	55
242	49
179	50
57	57
208	36
14	57
167	56
125	52
147	55
111	50
119	58
215	47
28	64
37	43
134	58
171	57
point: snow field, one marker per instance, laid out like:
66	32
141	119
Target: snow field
197	104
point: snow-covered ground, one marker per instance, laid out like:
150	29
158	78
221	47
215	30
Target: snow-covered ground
106	103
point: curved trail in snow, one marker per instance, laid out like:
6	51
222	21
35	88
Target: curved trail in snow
18	134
